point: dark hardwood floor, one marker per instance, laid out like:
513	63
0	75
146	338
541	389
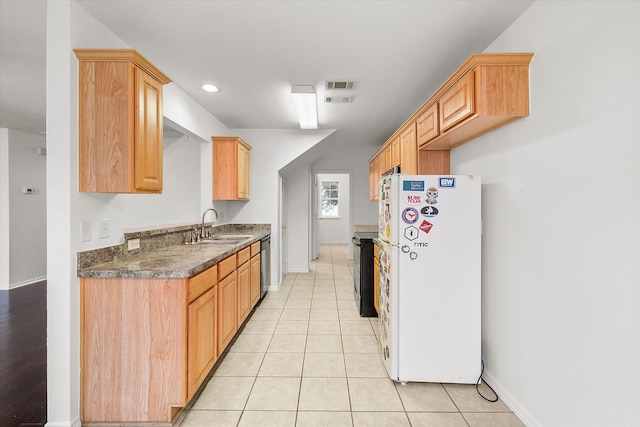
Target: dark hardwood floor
23	356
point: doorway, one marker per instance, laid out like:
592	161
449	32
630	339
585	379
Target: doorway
332	209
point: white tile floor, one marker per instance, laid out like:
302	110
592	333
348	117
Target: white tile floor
306	358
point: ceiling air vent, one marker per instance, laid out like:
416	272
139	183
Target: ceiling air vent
348	85
338	99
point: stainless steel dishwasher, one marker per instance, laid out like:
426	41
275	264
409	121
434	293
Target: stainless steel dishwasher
265	265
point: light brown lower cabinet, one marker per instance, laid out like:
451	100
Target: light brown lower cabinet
202	323
244	291
227	311
255	279
376	278
255	273
134	349
148	344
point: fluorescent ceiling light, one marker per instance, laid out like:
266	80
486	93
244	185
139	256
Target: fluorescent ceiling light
304	99
209	88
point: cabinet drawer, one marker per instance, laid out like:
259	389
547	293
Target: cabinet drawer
202	282
458	103
226	266
244	255
255	249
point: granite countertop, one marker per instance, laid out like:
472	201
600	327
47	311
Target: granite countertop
174	261
365	228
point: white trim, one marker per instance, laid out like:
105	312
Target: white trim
511	401
299	270
73	423
273	288
5	228
24	283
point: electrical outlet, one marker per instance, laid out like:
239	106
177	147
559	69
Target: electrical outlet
85	230
104	228
133	244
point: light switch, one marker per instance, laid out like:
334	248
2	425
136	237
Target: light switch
104	228
85	227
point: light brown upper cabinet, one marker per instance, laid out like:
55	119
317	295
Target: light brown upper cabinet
120	122
408	150
486	92
230	168
457	103
428	124
395	153
374	177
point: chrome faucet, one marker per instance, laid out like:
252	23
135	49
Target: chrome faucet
203	215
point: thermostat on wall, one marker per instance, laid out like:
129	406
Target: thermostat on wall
28	190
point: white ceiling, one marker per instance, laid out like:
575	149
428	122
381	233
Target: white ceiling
399	52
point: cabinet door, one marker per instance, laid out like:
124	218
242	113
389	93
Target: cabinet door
428	125
255	280
244	292
148	133
374	178
376	284
243	172
409	151
385	160
201	353
227	311
457	103
395	152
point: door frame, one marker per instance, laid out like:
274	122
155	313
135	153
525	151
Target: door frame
283	265
313	215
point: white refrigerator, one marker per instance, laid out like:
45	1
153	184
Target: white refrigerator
430	247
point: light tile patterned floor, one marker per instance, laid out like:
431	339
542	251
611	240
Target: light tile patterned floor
306	358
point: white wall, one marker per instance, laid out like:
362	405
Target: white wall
272	149
561	202
68	27
181	188
4	209
335	230
298	227
26	213
364	211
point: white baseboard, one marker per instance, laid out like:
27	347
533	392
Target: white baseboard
510	400
73	423
296	270
22	283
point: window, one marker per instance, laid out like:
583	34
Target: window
329	199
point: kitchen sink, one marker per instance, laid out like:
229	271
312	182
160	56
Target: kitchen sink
222	239
238	237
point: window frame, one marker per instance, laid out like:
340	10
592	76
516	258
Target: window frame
323	198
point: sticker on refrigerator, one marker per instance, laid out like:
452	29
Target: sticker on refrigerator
426	226
413	199
412	185
432	195
429	211
449	182
409	215
411	233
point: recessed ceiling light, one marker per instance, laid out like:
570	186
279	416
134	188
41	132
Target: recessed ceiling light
210	88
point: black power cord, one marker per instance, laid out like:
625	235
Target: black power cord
478	386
